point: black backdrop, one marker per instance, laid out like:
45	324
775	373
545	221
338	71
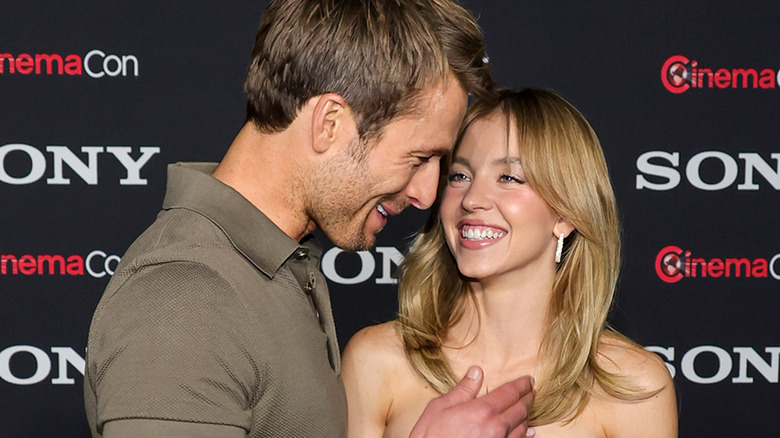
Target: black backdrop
684	96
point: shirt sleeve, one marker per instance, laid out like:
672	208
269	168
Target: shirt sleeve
173	342
135	427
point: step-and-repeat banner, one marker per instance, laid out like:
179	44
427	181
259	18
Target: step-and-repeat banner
96	98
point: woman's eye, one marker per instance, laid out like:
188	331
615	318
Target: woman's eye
456	177
510	179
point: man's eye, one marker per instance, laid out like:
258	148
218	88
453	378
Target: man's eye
421	160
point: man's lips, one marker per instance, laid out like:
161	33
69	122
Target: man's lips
386	209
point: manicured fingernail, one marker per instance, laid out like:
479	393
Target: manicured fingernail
473	373
533	381
530	432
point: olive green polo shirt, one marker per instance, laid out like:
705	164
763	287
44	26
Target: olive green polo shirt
216	316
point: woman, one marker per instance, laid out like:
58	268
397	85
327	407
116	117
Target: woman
515	272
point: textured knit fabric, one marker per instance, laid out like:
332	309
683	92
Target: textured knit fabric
215	316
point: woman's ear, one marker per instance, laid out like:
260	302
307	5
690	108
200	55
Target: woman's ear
562	226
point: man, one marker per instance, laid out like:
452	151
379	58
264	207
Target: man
217	321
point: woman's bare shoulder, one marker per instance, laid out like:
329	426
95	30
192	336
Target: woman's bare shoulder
643	368
370	367
376	343
653	415
373	356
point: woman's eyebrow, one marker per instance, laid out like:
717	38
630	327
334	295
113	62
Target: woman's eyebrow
506	160
460	160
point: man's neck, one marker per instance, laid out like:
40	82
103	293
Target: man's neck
263	169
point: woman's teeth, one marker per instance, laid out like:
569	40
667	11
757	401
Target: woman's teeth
472	233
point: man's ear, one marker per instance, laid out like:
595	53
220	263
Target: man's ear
332	121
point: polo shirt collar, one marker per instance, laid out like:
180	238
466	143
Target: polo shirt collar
191	187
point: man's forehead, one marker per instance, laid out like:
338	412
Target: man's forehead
434	98
437	151
430	127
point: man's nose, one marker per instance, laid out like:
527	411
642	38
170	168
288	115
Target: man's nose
423	185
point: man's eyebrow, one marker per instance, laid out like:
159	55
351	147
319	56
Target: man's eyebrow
438	151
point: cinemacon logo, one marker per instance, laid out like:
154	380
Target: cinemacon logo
661	171
679	74
96	264
672	264
22	164
96	64
704	364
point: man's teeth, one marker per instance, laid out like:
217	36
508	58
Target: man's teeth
480	233
381	210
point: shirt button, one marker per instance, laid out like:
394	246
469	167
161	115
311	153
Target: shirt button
301	253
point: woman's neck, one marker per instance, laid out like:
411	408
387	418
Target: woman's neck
503	324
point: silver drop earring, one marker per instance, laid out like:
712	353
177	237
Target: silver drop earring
559	249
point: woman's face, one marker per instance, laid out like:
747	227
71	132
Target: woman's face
494	222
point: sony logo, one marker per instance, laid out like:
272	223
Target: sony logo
742	364
658	170
747	358
33	163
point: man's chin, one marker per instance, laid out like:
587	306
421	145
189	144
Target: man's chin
362	242
361	245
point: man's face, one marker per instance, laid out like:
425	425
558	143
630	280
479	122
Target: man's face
356	192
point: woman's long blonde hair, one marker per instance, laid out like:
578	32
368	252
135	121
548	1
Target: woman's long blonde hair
563	161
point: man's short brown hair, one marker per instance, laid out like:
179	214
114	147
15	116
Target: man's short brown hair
380	55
